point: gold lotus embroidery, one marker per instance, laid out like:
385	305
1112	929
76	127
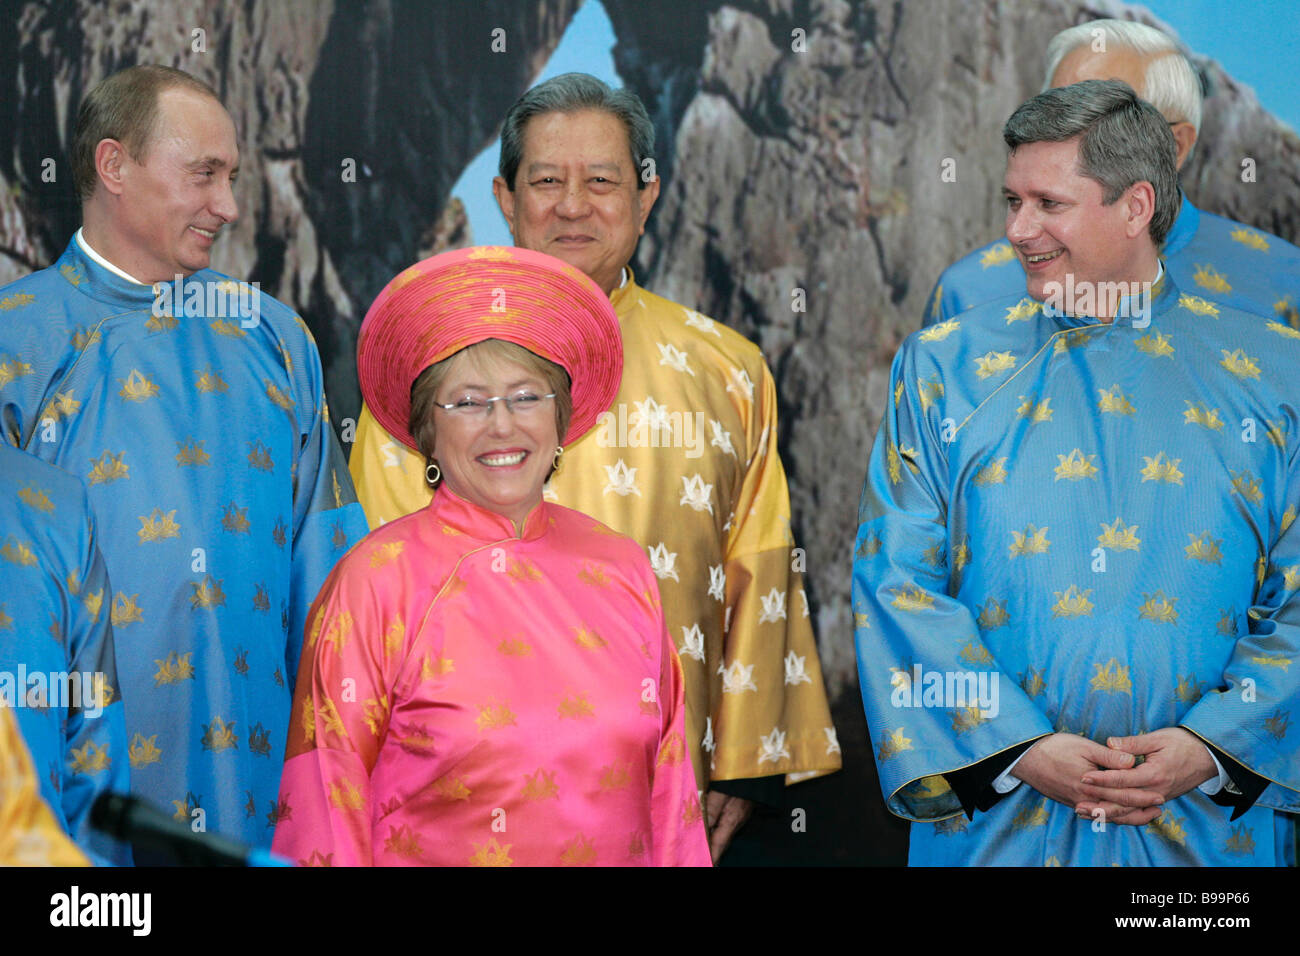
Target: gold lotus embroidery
1247	485
493	716
1291	577
961	555
62	405
1072	602
1119	537
12	369
90	759
219	736
578	852
403	841
93	603
259	456
1207	277
513	647
1198	306
210	381
207	594
587	638
1188	689
1071	339
261	600
1278	723
540	785
1157	345
893	744
228	328
7	622
340	632
491	854
234	519
1288	517
1242	842
939	332
82	338
895	463
16	301
992	363
1075	467
17	552
158	526
1276	431
1249	237
394	637
1115	401
1284	330
1024	310
1198	413
435	667
1034	815
136	387
346	797
575	706
1032	540
1157	607
280	398
1239	363
385	553
996	255
870	546
375	713
1281	662
1169	828
1041	412
125	611
935	555
1033	682
143	751
911	598
108	467
966	719
1227	625
161	323
898	393
1204	547
191	453
615	776
994	473
929	392
993	615
1162	468
523	571
1111	679
174	668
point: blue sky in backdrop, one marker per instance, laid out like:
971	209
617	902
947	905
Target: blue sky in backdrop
1258	45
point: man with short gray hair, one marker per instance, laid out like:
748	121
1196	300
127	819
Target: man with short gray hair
1224	261
685	463
1077	576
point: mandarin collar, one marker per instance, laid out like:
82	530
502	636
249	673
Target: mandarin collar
478	522
1139	307
623	297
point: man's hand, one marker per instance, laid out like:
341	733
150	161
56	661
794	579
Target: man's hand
1175	761
724	815
1056	766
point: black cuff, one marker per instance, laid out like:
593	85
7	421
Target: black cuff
973	785
769	791
1248	782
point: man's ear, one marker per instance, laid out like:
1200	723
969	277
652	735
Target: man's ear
1184	139
110	158
647	198
506	200
1140	205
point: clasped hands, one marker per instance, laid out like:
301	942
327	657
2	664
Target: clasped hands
1086	776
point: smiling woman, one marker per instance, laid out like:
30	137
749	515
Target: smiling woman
489	680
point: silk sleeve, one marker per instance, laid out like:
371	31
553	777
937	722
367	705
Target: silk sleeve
100	728
1248	717
905	618
339	719
782	725
679	837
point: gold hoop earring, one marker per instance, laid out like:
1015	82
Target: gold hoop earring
437	473
555	466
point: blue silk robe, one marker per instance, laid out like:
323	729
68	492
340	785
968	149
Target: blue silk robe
1099	520
223	501
1206	255
54	621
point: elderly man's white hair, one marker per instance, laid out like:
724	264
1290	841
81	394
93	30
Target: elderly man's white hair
1171	84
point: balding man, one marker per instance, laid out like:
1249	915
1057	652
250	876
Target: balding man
192	408
1221	260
